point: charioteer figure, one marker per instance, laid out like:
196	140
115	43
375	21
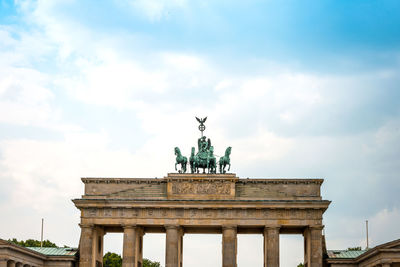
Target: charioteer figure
204	159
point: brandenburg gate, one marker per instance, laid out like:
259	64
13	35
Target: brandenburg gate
200	203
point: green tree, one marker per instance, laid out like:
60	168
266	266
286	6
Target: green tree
354	249
32	243
112	260
115	260
149	263
300	265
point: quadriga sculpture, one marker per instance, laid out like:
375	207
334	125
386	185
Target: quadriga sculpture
180	160
204	158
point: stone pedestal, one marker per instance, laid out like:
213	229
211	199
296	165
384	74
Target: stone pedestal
86	250
271	246
172	246
229	246
129	246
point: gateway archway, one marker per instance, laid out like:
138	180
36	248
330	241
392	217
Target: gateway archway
200	203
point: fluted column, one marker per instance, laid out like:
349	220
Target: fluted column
97	245
180	248
229	246
315	244
86	258
271	246
172	246
139	246
129	246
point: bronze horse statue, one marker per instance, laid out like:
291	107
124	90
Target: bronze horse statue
180	160
225	160
191	161
212	161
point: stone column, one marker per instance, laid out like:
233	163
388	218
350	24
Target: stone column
229	246
271	246
386	264
315	246
97	245
307	247
139	247
3	262
180	248
11	264
129	246
172	246
86	258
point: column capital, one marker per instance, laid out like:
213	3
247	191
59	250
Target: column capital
229	226
272	227
129	226
86	225
316	227
172	226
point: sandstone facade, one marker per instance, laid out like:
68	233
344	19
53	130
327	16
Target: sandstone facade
200	203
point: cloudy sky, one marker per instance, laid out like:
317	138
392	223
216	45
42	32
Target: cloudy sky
108	88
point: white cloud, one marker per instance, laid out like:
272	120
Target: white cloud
383	227
155	10
261	116
25	97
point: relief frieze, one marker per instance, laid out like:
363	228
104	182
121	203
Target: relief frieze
188	188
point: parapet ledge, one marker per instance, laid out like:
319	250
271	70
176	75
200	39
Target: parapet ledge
317	181
201	177
104	180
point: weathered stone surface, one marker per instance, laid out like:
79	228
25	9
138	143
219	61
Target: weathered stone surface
206	203
271	246
172	257
229	246
129	246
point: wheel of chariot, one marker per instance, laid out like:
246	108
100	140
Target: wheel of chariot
202	127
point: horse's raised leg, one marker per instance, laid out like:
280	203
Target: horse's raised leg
229	168
175	166
184	167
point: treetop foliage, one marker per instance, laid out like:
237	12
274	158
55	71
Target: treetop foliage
354	249
32	243
115	260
